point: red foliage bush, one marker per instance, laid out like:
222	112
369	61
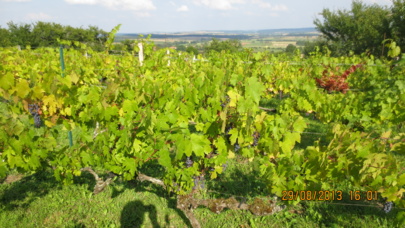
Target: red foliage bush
332	82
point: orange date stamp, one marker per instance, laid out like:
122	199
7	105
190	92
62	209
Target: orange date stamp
325	195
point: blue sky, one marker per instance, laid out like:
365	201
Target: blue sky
173	15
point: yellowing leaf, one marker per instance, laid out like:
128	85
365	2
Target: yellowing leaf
38	92
222	115
199	127
234	96
22	88
7	81
77	172
49	123
68	111
51	103
386	135
260	118
74	77
137	145
231	155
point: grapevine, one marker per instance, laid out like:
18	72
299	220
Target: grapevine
192	118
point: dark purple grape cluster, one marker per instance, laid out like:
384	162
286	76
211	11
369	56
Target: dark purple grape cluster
236	147
224	166
189	162
199	182
226	102
256	137
388	206
34	110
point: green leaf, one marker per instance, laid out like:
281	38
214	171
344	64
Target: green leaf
254	89
200	145
130	165
3	169
110	111
164	158
234	135
299	124
400	219
86	158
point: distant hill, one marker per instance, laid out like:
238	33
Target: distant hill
224	34
290	31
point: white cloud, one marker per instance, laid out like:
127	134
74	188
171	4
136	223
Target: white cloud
264	4
219	4
118	4
38	17
183	8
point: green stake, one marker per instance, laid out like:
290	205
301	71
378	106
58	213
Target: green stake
70	136
62	61
62	65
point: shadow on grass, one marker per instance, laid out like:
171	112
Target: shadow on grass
238	183
129	218
23	192
134	212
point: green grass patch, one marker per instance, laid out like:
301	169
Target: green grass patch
38	200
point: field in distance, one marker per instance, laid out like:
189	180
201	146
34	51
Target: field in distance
259	40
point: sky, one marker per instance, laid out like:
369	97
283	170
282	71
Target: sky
147	16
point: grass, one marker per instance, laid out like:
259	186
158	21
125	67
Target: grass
38	200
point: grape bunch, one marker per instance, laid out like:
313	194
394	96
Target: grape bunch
199	182
34	110
224	166
227	100
388	206
256	137
189	162
236	147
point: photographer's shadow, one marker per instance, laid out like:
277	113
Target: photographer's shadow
133	214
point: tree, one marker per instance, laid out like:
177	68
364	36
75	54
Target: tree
20	34
192	50
398	22
361	29
129	44
181	47
5	38
319	44
45	34
226	45
290	48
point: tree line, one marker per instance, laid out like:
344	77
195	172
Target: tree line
46	34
